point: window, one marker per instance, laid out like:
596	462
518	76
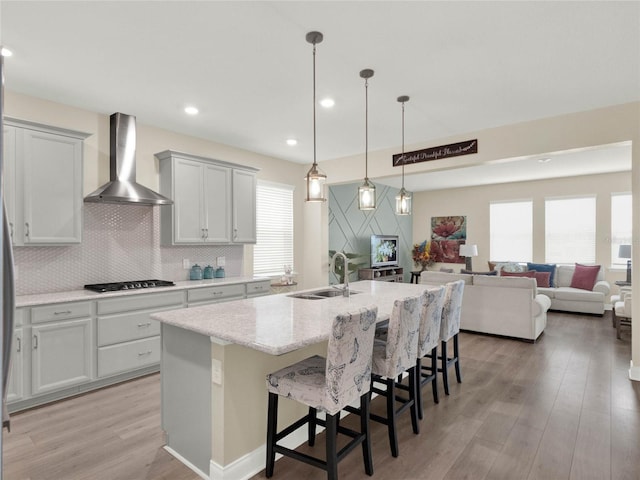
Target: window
620	225
570	230
511	231
274	228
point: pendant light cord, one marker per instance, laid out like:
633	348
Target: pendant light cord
314	104
403	145
366	129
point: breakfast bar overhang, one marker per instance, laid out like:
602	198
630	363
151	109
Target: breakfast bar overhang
215	359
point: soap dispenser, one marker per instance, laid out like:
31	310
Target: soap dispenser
195	273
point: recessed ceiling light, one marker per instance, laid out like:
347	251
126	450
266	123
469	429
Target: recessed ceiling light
327	102
544	160
191	110
292	141
5	52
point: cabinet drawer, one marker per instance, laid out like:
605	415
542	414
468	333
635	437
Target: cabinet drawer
258	288
128	356
139	302
123	328
60	311
212	294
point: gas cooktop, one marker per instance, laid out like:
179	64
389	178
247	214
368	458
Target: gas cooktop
134	285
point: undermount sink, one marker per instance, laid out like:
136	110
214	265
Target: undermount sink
320	294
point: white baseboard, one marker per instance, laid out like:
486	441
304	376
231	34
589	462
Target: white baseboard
254	462
634	372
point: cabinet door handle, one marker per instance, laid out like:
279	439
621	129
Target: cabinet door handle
206	233
35	342
235	233
142	325
203	237
26	233
11	227
66	312
148	352
18	344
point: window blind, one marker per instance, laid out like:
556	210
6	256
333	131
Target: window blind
570	230
620	225
511	231
274	228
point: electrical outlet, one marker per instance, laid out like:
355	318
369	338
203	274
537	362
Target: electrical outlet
186	263
216	371
220	261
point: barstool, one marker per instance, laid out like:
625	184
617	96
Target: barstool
328	385
391	358
428	339
450	328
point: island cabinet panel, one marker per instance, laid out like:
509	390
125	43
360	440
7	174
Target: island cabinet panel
15	387
43	183
214	201
62	354
128	339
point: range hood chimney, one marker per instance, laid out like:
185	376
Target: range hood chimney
122	187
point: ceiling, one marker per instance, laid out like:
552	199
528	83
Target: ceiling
246	65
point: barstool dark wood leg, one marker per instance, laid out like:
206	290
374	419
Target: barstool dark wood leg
272	424
364	429
445	375
456	354
414	383
419	392
332	453
312	426
391	416
434	370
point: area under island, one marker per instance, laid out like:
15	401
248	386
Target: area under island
215	359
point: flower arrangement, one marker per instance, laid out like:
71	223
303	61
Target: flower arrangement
421	254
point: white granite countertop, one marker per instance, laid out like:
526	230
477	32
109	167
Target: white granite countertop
78	295
277	324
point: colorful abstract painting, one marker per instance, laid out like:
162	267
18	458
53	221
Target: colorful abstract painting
447	234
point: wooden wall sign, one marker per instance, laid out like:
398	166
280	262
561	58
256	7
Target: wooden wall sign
436	153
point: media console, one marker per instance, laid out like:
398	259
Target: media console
383	274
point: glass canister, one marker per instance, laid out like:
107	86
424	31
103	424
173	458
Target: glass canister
220	272
208	272
195	273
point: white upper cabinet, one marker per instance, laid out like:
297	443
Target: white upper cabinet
43	183
214	201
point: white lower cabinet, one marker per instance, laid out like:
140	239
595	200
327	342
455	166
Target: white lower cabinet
15	389
127	338
62	354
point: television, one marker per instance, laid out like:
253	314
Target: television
384	250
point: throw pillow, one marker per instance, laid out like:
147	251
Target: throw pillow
508	266
469	272
529	274
542	278
446	270
584	276
545	267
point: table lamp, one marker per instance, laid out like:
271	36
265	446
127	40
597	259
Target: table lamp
625	252
468	251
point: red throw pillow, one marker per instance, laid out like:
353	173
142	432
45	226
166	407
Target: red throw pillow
542	278
584	276
528	273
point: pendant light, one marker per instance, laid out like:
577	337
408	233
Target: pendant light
366	191
403	199
315	177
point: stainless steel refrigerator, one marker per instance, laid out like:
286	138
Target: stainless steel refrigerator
7	290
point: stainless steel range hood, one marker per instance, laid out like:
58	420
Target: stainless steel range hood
122	187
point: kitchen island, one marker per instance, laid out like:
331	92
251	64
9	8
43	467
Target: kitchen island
215	359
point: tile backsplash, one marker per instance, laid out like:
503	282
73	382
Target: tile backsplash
120	242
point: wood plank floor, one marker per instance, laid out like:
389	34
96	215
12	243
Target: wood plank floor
563	408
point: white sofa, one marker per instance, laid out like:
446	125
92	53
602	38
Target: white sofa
506	306
568	299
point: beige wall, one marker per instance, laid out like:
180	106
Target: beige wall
474	203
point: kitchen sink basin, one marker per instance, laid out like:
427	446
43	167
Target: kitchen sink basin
320	294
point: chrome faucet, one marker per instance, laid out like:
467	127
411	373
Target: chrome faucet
345	287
